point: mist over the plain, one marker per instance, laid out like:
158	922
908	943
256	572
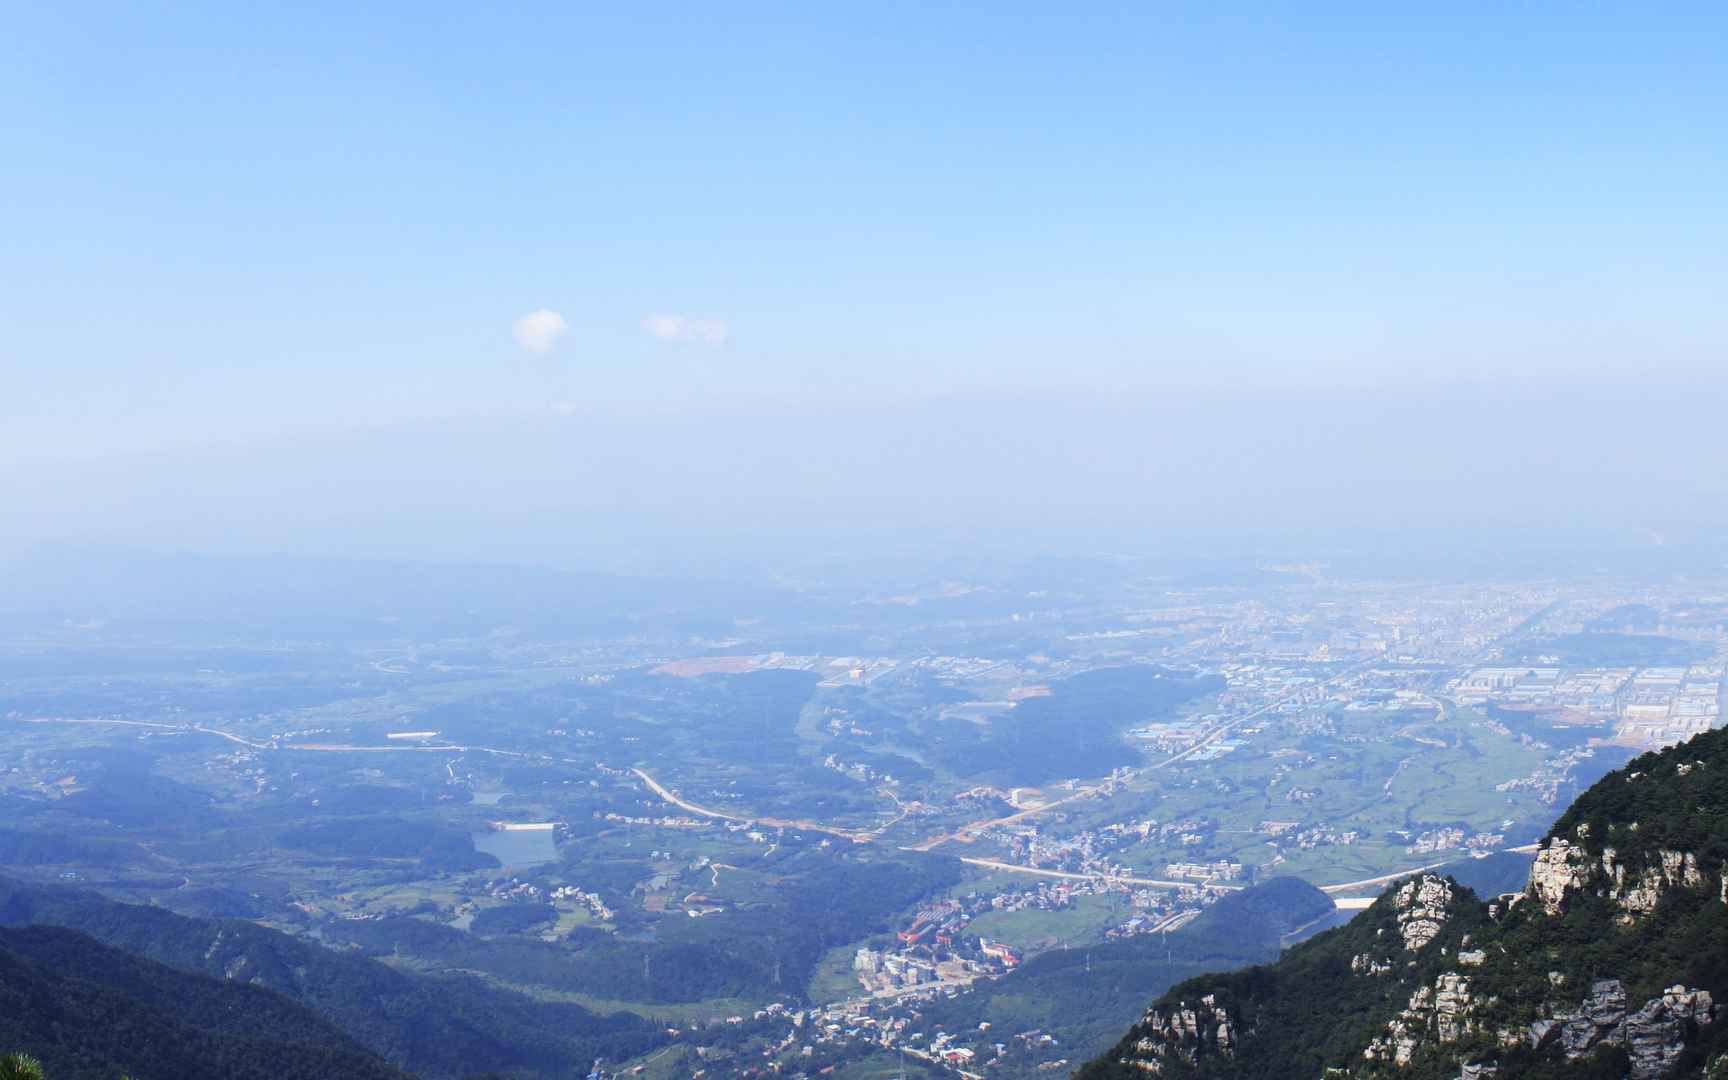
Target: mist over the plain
692	488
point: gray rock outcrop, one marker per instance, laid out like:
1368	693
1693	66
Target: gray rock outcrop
1654	1036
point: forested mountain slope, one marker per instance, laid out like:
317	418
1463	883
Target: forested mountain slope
435	1027
89	1011
1610	962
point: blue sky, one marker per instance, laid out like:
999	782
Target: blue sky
244	223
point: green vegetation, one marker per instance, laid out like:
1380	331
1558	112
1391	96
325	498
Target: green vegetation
88	1012
440	847
1075	731
1312	1010
767	947
435	1027
1038	928
513	919
19	848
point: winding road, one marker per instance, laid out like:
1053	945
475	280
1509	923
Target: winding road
670	796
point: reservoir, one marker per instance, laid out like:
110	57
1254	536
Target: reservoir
518	848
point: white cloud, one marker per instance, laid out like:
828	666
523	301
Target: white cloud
539	331
687	328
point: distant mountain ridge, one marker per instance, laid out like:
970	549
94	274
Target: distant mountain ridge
1611	962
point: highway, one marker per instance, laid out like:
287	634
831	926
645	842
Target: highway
672	797
1151	883
250	744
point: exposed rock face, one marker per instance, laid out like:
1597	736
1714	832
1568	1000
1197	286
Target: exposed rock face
1404	1032
1561	867
1452	1004
1654	1036
1442	1011
1672	869
1184	1031
1597	1019
1422	905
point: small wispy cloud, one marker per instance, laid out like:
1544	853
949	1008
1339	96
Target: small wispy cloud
689	328
539	331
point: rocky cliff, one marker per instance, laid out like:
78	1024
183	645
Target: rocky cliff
1611	962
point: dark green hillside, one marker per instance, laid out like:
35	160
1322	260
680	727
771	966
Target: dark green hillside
762	949
1076	731
92	1013
1501	872
1628	619
1606	649
436	1027
438	847
21	848
1611	962
133	798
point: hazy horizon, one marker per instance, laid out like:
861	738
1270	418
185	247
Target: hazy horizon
668	286
680	488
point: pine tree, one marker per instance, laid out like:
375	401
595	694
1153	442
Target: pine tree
20	1067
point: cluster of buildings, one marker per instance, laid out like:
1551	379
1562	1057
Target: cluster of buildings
1087	851
581	897
935	947
1152	923
900	1025
1548	778
244	765
1454	838
890	970
1287	835
939	923
1222	870
667	822
1647	707
857	770
1667	705
947	958
514	891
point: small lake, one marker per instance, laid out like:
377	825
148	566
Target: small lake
519	849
